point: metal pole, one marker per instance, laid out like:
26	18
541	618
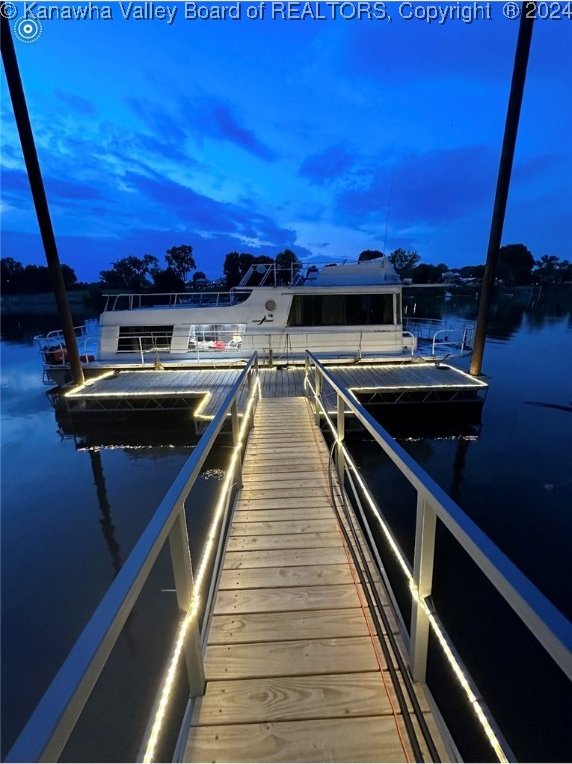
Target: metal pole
39	196
318	389
184	586
235	435
341	409
423	576
503	181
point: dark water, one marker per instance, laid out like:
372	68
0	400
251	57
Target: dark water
71	513
514	479
70	517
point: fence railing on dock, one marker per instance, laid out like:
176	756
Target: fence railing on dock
55	717
549	627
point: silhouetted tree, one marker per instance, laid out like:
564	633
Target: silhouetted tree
287	265
11	274
181	260
403	261
167	280
425	273
237	264
370	254
515	264
31	279
198	276
130	272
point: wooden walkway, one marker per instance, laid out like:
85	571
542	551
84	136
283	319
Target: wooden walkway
293	671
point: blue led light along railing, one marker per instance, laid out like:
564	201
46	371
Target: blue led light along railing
55	717
549	627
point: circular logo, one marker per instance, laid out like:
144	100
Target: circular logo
27	30
8	10
511	10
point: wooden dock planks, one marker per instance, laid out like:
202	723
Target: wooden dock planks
293	673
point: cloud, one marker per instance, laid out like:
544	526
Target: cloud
76	103
198	117
15	185
327	165
210	217
216	119
425	189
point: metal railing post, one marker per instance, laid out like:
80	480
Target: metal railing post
341	423
423	578
184	585
235	436
318	389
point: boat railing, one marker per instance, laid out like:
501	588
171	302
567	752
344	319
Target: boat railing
56	715
136	301
269	274
548	626
53	348
455	335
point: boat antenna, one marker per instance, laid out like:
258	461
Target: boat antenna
388	207
38	191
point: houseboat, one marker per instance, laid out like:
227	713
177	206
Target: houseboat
339	311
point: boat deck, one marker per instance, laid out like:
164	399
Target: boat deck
204	390
294	669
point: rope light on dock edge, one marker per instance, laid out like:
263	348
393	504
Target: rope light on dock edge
475	703
192	612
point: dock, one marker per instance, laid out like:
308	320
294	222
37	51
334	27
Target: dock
291	640
293	667
203	390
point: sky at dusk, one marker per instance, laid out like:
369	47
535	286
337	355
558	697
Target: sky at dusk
325	136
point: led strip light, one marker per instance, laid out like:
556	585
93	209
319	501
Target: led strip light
191	614
457	669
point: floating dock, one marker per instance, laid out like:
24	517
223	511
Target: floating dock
203	391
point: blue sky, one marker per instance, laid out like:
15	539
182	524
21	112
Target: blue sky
255	135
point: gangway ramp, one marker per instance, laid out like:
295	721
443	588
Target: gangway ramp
294	671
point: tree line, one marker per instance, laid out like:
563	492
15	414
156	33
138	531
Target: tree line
516	265
30	279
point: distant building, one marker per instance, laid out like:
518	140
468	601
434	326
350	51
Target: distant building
452	277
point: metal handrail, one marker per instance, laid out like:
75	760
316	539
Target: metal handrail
48	729
550	628
461	343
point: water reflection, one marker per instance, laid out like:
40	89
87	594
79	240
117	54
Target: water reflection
534	306
106	521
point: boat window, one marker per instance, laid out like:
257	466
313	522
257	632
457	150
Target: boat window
341	310
136	338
